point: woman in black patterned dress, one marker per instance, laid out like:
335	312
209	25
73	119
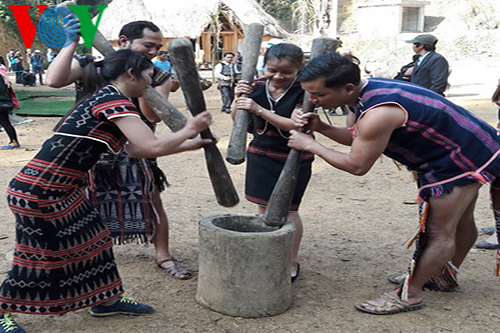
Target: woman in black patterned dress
272	100
63	259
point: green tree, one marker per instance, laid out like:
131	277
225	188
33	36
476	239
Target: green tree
9	22
280	10
310	17
93	3
10	28
11	37
300	16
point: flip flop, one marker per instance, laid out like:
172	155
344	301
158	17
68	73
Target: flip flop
396	278
390	305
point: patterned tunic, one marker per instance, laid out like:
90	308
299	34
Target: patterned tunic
268	150
444	143
63	259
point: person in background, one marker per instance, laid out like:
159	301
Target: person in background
405	71
9	57
225	72
259	69
239	61
491	243
28	78
50	55
36	62
17	67
7	104
431	68
163	61
29	53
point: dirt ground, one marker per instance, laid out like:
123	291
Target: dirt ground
354	231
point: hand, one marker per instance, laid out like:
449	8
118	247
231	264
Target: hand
71	28
248	104
200	122
300	141
310	119
196	143
297	117
215	139
243	87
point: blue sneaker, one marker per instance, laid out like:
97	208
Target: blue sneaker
488	230
125	305
8	324
9	146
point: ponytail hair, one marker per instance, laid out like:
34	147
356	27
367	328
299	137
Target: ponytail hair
98	74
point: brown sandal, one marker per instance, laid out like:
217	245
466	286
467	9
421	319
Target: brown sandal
176	270
387	304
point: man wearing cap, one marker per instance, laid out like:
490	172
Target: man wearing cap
431	68
36	62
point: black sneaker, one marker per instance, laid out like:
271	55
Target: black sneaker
8	324
125	305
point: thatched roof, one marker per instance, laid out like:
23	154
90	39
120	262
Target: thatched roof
184	18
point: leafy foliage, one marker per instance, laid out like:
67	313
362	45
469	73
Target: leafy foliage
7	17
11	36
281	10
93	10
310	16
298	16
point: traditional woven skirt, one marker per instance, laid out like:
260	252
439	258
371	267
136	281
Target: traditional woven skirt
121	189
263	170
63	259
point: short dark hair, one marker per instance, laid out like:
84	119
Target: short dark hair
134	30
162	52
285	51
336	70
227	53
429	47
